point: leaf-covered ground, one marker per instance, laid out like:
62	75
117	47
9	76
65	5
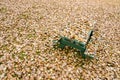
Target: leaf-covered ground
28	27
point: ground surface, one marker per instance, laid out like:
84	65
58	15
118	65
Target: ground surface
28	27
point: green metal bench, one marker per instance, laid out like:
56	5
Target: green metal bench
80	46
